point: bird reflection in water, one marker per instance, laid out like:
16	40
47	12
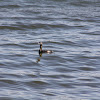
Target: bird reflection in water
39	57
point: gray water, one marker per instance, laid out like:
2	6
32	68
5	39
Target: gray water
71	28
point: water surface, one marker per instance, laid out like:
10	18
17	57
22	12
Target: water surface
71	29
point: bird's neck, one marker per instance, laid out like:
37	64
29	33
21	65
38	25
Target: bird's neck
40	47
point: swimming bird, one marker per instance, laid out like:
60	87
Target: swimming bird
43	51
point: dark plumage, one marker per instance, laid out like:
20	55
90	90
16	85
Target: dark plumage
43	51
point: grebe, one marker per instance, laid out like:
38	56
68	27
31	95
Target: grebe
43	51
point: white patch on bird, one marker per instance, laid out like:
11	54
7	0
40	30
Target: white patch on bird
48	51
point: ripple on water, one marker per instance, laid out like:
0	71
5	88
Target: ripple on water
37	84
10	28
91	33
87	68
